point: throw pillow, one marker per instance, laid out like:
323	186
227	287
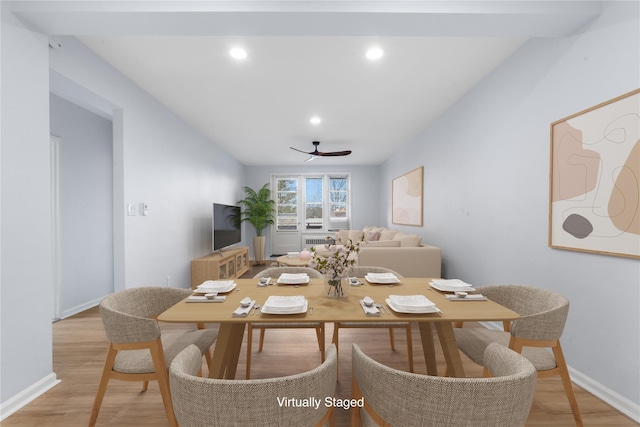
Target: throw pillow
408	240
356	235
386	234
371	236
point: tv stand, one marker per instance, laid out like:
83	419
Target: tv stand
225	264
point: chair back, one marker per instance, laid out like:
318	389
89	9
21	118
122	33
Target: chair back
204	401
277	271
127	315
405	399
362	270
543	312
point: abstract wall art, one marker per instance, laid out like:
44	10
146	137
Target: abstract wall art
406	198
595	179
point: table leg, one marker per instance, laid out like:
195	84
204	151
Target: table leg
450	349
428	347
227	351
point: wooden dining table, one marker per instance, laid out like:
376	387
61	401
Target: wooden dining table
231	331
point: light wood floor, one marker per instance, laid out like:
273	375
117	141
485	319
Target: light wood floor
79	348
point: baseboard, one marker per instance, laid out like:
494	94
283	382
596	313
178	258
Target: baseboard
621	403
27	395
80	308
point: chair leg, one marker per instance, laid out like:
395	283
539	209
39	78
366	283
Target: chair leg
102	387
410	347
145	385
320	336
249	343
566	382
262	331
334	340
392	339
157	355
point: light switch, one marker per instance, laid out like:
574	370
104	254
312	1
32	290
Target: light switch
144	209
132	209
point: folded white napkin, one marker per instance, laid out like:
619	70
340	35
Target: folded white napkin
202	298
470	297
264	281
370	311
243	311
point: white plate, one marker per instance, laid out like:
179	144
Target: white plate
382	278
215	286
285	303
410	302
451	285
413	310
272	310
293	279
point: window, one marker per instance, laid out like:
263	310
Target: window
312	202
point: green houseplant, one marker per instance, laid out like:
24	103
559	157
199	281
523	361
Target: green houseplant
258	209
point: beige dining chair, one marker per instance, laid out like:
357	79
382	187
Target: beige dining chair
398	398
138	350
274	273
361	271
265	402
543	316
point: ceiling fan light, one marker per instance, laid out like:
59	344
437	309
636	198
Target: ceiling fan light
238	53
315	120
374	53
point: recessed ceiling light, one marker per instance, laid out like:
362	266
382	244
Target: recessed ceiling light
315	120
238	53
374	53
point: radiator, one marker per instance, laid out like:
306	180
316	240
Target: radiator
308	241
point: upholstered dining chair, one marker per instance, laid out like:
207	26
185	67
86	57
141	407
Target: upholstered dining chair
138	351
265	402
543	316
274	273
398	398
361	271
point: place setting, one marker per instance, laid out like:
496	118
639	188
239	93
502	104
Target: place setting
456	290
382	279
293	279
210	290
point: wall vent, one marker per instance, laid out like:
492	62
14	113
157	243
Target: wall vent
308	241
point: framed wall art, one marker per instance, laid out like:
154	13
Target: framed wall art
406	198
595	179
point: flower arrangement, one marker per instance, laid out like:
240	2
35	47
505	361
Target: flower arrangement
335	266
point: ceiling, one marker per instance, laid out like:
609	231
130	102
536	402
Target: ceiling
307	59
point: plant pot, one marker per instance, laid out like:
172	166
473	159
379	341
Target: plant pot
336	288
259	243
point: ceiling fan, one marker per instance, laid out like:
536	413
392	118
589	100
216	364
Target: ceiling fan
315	153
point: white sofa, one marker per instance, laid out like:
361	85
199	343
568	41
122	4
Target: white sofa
401	252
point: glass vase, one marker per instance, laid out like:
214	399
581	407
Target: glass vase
336	287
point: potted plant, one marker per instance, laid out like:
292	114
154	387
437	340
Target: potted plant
258	209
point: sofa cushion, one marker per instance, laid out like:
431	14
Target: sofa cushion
371	236
408	240
355	236
382	244
387	234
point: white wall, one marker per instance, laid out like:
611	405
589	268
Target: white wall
86	199
365	194
486	192
26	298
158	160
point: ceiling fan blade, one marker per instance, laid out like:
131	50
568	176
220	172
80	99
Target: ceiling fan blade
305	152
334	153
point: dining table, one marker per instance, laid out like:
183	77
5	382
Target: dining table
322	308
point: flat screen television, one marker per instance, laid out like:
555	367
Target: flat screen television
225	227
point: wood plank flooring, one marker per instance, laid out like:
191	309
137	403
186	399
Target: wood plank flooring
79	348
